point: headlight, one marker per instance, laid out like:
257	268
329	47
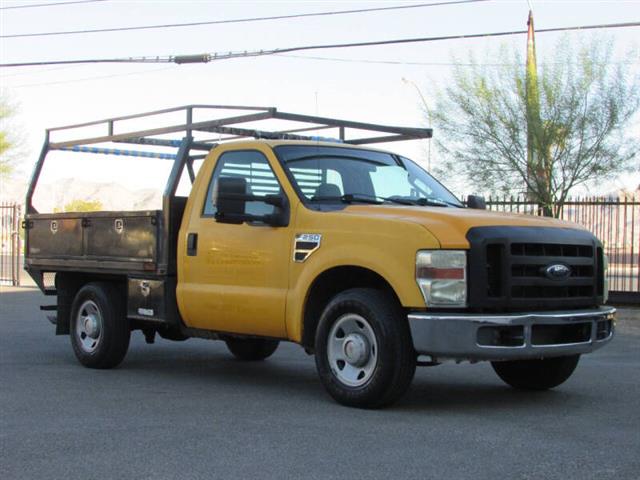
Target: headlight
442	277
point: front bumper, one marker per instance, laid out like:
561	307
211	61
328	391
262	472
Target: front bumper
511	336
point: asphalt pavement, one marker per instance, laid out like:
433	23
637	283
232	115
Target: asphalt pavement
190	411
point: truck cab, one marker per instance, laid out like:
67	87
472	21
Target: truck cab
357	254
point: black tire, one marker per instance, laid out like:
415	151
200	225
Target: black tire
395	359
111	346
536	374
251	349
173	334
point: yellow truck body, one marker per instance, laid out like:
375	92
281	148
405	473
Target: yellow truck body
356	254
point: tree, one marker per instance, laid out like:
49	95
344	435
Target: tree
7	142
78	205
586	104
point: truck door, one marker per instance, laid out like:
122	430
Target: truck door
234	277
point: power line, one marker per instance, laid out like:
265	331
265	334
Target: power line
377	62
31	72
383	62
164	59
211	57
441	38
177	59
99	77
428	64
55	4
241	20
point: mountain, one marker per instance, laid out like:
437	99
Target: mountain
56	195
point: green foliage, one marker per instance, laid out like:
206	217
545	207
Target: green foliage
81	206
7	143
586	105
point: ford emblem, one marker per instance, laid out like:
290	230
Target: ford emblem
557	271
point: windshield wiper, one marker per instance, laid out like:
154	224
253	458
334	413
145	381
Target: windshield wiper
348	198
376	200
420	201
433	202
366	198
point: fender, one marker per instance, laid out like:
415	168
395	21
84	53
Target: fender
376	251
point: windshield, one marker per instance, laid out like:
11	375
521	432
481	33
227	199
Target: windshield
335	174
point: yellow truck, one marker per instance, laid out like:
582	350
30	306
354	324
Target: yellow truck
356	254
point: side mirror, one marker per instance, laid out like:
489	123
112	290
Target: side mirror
477	202
278	201
231	200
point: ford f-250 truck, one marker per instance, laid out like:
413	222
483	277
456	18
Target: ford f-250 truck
356	254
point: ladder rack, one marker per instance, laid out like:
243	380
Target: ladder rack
241	124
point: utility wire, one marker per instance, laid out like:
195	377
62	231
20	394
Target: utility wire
211	57
333	59
99	77
241	20
55	4
440	38
431	64
164	59
31	72
379	62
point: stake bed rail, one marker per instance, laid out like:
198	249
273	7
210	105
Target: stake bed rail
228	127
91	242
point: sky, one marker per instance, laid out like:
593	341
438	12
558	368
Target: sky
363	84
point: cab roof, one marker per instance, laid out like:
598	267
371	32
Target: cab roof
310	143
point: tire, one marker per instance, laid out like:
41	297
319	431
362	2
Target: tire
536	374
99	328
251	349
364	352
173	334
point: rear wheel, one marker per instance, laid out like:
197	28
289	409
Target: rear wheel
251	349
536	374
99	328
364	353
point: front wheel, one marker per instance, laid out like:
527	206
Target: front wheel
99	330
540	374
364	353
251	349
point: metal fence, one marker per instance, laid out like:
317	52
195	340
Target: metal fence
615	221
10	244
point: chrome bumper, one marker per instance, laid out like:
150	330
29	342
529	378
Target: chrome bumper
511	336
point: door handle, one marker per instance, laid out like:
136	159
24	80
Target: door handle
192	244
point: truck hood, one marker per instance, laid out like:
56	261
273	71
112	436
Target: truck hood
450	225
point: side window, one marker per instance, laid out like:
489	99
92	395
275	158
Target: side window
255	169
311	176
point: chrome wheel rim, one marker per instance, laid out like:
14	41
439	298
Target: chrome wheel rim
89	326
352	350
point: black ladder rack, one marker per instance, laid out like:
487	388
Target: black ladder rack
228	128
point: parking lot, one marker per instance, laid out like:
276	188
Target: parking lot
189	410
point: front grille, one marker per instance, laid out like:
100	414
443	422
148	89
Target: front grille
550	250
577	271
527	268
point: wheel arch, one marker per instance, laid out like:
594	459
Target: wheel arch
331	282
67	286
